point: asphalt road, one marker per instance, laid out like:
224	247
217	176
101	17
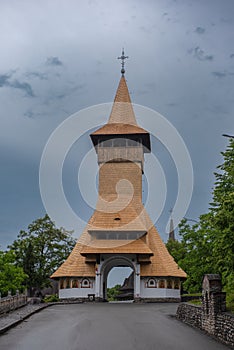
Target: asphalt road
106	326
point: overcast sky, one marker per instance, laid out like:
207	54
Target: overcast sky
58	57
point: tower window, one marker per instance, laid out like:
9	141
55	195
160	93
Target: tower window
132	143
119	142
107	143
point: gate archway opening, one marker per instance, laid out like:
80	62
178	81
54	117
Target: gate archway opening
120	284
116	262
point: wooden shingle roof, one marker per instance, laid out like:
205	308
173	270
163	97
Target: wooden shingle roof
122	119
117	247
161	262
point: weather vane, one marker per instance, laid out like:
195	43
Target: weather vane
122	58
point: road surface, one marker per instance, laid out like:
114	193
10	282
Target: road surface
107	326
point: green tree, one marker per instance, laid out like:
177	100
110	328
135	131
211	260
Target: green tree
41	250
209	245
222	215
113	292
197	246
177	249
12	277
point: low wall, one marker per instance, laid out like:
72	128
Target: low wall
190	314
222	324
78	293
11	303
224	328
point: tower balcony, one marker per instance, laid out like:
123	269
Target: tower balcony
121	154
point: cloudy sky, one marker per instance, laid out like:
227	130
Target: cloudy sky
59	57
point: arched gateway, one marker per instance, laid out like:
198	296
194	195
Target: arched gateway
107	265
120	232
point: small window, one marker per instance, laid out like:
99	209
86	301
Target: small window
61	284
132	143
169	284
151	283
117	219
74	284
85	283
107	143
67	283
119	142
162	284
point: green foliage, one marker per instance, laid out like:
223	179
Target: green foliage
176	249
51	298
208	247
196	302
113	292
41	250
12	277
230	301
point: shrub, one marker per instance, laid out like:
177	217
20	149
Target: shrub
51	298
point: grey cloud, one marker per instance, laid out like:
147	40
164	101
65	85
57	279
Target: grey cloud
54	61
144	29
219	74
39	75
171	104
200	54
67	92
16	84
26	87
141	92
222	74
151	85
4	79
200	30
29	114
232	55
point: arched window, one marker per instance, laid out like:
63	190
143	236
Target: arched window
132	143
74	284
177	285
169	284
162	284
151	283
68	283
119	142
85	283
107	143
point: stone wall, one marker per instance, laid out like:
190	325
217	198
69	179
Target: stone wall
221	326
224	328
12	302
190	314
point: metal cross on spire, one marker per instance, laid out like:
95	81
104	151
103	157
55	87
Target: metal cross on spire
122	58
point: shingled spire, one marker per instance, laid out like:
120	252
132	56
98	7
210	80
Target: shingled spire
122	111
122	121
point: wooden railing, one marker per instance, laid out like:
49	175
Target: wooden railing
115	154
12	302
